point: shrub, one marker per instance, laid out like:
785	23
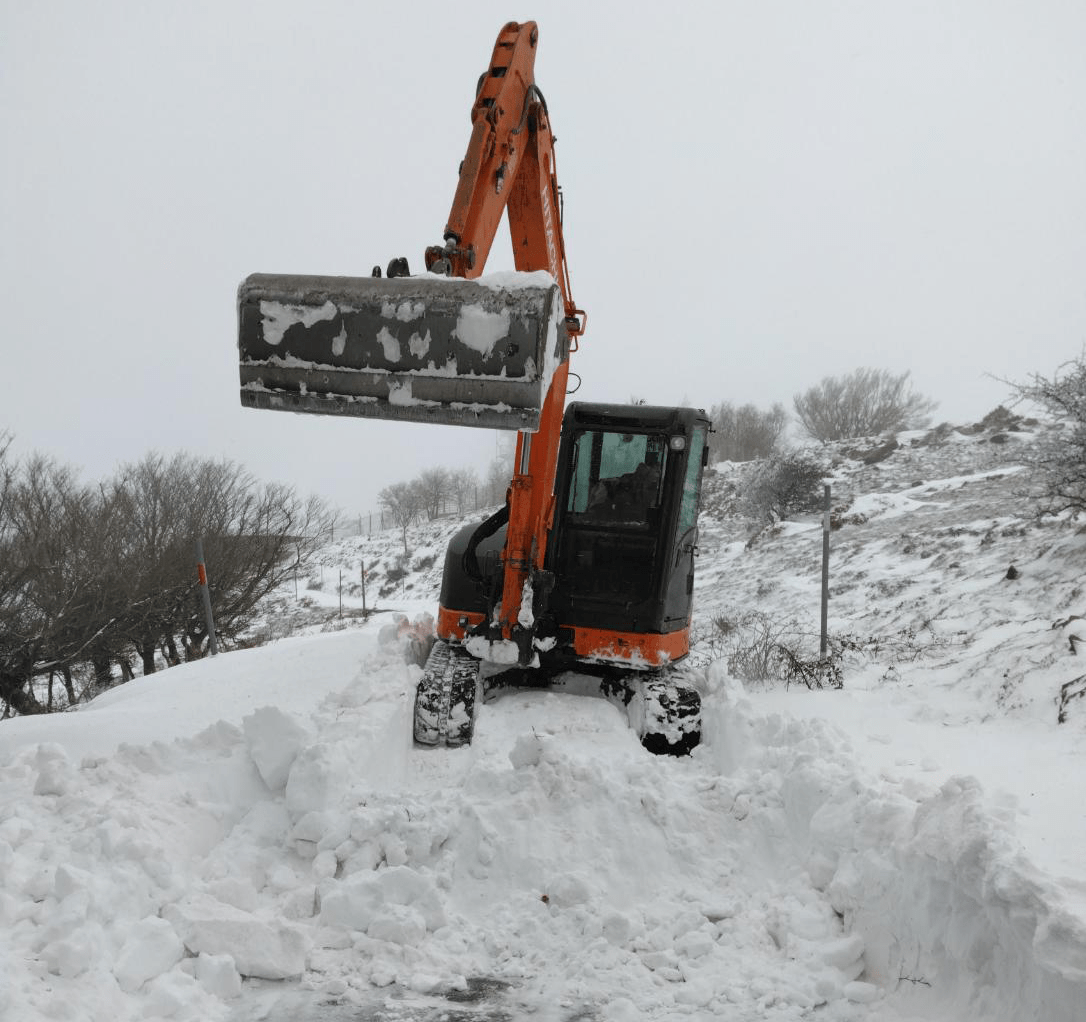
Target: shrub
758	647
1060	455
747	432
781	485
866	402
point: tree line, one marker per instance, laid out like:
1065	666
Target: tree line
441	491
865	402
96	578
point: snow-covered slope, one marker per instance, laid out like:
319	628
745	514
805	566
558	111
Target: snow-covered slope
905	847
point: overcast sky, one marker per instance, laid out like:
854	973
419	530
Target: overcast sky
757	195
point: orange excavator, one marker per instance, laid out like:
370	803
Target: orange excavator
587	570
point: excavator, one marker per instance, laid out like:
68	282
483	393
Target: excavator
586	572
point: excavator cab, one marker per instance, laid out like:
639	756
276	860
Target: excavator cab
625	531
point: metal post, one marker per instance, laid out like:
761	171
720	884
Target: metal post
824	642
201	574
362	569
341	592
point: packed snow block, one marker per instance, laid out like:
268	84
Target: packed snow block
376	903
260	948
55	771
423	349
171	995
79	948
218	975
318	777
151	948
274	739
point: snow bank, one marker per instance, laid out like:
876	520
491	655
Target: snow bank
951	916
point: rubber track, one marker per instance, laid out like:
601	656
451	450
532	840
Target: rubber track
445	698
673	715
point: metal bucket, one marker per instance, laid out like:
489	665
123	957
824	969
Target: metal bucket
423	349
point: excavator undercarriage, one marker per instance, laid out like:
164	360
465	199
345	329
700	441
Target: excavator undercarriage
663	708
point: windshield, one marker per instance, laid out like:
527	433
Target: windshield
617	477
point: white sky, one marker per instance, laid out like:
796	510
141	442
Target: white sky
757	195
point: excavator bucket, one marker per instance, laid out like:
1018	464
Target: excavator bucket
423	349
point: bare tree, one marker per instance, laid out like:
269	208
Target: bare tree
434	488
866	402
54	609
463	484
1060	455
498	476
255	536
746	432
152	498
499	472
89	573
403	502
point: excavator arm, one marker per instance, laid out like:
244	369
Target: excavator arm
440	348
510	167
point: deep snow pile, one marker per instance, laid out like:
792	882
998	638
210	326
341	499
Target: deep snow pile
254	836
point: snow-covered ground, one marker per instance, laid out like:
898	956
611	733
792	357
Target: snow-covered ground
254	836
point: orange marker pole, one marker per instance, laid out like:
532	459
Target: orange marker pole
201	574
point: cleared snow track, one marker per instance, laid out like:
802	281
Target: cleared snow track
288	833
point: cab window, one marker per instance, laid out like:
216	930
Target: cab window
617	477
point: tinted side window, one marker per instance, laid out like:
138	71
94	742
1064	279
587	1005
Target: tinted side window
688	510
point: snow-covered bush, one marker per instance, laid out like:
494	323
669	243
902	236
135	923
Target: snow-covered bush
1060	455
865	402
756	646
747	432
781	485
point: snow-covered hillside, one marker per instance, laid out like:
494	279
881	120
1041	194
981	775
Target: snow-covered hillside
254	837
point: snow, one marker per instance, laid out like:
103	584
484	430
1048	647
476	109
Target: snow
511	280
479	329
278	317
254	836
